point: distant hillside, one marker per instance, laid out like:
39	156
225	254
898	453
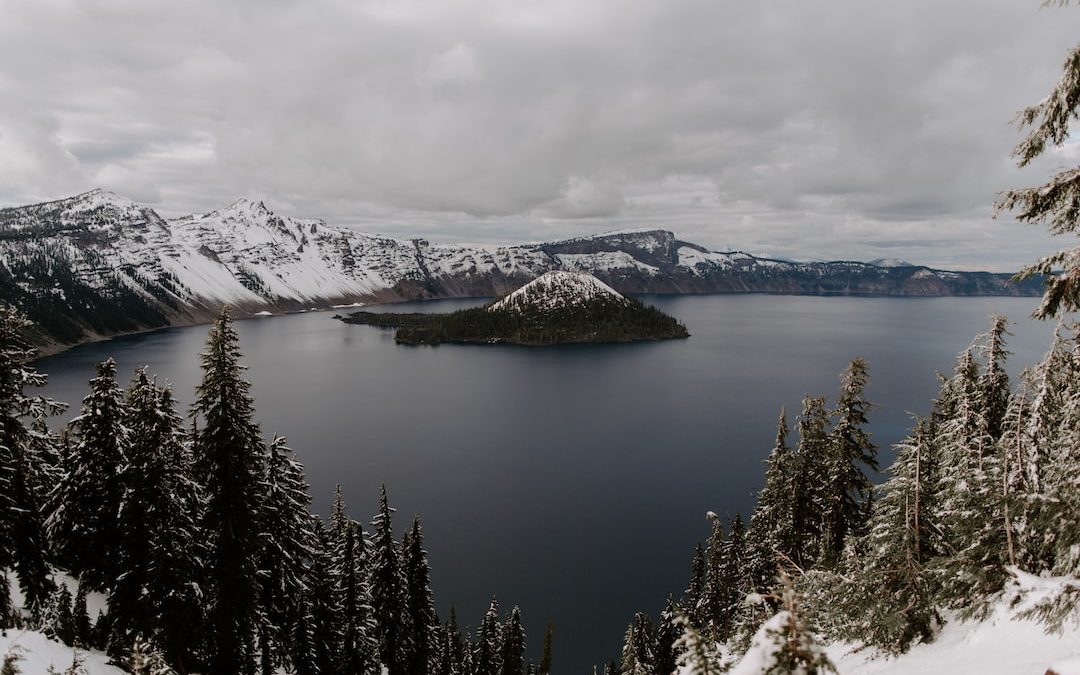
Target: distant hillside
559	307
99	264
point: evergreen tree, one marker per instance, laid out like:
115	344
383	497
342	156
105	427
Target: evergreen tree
81	616
810	484
635	647
732	578
772	524
1054	204
325	606
22	540
848	490
159	556
389	593
421	603
457	648
229	456
709	610
697	655
786	644
83	524
360	647
287	546
895	594
57	620
513	645
692	596
544	667
994	381
488	650
665	660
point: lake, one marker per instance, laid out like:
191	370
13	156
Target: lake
572	481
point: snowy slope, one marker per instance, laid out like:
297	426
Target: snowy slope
39	653
558	288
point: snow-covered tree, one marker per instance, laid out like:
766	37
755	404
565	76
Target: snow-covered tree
229	460
83	523
1055	204
423	620
487	653
287	546
513	645
157	591
359	641
389	593
786	643
847	488
22	537
772	523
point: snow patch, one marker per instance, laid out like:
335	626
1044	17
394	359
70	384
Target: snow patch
557	288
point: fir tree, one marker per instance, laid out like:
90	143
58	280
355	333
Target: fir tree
160	556
994	381
692	596
1055	204
488	650
421	603
809	484
22	539
545	658
697	655
709	610
324	601
389	593
848	490
732	578
665	659
786	643
513	645
229	458
895	594
83	524
57	620
772	524
287	545
360	647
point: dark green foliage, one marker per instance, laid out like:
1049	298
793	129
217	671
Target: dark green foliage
605	320
847	488
389	592
287	545
487	654
513	645
83	522
157	593
773	520
421	603
22	461
544	667
229	459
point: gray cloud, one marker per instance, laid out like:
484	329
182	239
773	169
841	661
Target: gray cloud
804	129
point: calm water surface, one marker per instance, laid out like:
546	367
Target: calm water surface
571	481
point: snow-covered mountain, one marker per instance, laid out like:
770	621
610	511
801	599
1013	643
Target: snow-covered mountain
558	288
99	264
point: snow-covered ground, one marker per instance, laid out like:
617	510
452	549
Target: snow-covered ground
1003	644
39	653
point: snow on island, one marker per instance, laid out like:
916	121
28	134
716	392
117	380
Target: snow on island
558	307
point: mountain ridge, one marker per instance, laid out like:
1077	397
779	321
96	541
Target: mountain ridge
99	264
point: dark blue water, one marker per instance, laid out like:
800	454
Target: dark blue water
571	481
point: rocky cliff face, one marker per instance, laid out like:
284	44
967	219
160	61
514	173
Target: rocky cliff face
99	264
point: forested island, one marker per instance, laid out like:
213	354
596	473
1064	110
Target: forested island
556	308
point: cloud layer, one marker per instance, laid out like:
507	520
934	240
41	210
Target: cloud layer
806	129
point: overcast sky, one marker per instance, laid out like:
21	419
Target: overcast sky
796	128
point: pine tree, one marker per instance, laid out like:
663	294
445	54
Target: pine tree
545	659
848	490
697	655
81	616
1057	202
810	484
772	523
325	606
287	546
665	660
83	524
994	381
22	537
894	597
421	603
634	648
146	659
488	650
159	550
786	643
709	610
229	458
57	620
692	596
732	578
360	647
389	592
513	645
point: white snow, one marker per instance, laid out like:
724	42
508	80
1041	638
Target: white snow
40	653
264	313
557	288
